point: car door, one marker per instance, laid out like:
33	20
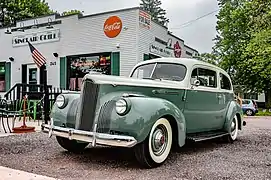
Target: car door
201	111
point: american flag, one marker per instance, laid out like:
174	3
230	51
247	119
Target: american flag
37	56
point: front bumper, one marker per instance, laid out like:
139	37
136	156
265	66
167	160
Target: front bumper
91	137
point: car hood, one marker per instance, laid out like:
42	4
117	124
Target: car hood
128	81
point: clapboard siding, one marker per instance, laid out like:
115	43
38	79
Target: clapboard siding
85	35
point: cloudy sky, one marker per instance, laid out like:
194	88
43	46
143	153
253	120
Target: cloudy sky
198	34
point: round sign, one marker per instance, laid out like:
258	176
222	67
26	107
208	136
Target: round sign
177	50
112	26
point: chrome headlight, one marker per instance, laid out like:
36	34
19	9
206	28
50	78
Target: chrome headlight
122	106
60	101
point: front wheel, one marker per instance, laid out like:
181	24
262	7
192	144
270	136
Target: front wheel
71	145
155	149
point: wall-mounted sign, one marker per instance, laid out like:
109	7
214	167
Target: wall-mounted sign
144	19
53	63
161	50
112	26
36	38
177	50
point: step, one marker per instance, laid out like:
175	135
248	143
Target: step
196	137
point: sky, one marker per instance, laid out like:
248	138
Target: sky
198	34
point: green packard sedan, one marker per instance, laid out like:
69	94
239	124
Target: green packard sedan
164	103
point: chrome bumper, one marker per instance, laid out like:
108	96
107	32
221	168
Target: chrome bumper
91	137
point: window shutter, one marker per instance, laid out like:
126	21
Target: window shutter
7	75
115	66
63	72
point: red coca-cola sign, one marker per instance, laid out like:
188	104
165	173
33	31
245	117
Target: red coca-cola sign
177	50
112	26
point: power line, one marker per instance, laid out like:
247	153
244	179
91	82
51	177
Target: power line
190	22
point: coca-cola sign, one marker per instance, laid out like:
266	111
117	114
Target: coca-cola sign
112	26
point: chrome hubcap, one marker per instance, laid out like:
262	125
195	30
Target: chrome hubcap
159	140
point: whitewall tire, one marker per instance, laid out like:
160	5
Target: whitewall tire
154	151
233	130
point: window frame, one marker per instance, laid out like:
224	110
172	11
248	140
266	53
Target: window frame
155	65
207	68
220	86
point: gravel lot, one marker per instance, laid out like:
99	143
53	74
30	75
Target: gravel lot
247	158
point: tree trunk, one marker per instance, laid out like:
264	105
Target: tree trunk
268	99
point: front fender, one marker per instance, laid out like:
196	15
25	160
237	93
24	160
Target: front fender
144	112
233	109
67	115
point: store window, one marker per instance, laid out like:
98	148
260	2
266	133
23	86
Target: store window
2	77
79	66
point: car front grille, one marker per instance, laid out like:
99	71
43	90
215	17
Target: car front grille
103	125
88	101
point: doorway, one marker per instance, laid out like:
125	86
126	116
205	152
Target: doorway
32	76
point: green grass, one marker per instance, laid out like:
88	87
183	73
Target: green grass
261	113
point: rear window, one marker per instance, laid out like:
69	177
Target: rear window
245	102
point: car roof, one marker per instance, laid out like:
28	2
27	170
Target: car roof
185	61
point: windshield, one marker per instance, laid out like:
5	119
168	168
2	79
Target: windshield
164	71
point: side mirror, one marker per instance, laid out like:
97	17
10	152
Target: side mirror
195	83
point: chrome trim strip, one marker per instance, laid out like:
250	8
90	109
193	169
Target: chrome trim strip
94	138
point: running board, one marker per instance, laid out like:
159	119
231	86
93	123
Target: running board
197	137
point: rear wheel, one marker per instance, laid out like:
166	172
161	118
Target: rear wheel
71	145
155	149
233	130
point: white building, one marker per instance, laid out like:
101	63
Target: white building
113	41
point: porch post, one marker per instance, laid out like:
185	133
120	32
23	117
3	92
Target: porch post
46	96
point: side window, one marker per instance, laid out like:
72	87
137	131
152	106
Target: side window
206	77
225	82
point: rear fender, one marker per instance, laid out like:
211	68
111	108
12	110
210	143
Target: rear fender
233	109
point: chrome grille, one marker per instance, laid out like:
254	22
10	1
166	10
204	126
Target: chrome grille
88	103
103	125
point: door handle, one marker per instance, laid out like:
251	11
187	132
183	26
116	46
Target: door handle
219	96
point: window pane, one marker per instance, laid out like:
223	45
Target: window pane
168	71
143	71
2	77
206	77
225	82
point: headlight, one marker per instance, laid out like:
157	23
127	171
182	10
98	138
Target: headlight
122	107
60	101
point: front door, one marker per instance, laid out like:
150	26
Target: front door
32	77
201	110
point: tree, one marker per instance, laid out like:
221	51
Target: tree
209	58
12	11
243	43
153	7
232	27
71	12
256	70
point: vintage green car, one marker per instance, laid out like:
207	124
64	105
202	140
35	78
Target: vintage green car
164	103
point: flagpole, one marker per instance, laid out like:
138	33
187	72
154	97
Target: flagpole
46	95
41	62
